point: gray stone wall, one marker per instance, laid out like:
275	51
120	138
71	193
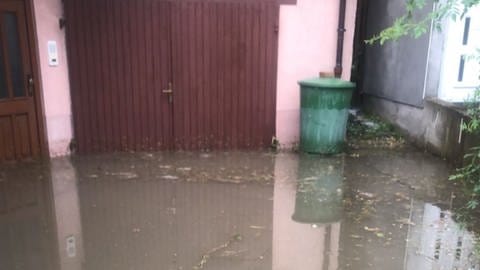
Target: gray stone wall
397	70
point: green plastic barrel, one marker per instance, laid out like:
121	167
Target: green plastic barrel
324	114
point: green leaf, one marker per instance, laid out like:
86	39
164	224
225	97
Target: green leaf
472	204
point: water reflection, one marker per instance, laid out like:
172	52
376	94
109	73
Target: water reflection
25	225
147	223
82	215
438	242
66	214
307	212
319	190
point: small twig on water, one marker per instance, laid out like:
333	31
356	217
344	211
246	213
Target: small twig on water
206	256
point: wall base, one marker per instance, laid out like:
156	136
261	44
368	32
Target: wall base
436	127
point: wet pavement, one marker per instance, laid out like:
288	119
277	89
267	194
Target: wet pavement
373	209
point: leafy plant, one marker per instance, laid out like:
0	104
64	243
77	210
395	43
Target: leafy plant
469	174
415	26
473	111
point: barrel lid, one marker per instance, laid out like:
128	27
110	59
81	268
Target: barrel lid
327	83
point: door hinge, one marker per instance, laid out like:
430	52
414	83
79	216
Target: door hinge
276	28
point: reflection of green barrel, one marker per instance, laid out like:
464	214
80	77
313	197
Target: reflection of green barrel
319	198
324	114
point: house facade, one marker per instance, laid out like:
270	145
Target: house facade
101	76
419	84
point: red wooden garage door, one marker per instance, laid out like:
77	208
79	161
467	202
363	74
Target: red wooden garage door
156	75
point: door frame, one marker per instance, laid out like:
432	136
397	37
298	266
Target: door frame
33	50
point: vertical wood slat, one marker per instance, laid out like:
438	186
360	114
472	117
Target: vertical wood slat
161	40
126	18
134	53
84	80
91	69
100	92
84	107
142	69
120	73
104	79
221	58
272	63
118	133
111	60
228	73
73	73
150	79
243	63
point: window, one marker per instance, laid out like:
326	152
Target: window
460	73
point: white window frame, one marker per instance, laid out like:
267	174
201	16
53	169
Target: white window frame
451	89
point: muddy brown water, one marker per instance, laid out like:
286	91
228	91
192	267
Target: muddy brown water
376	209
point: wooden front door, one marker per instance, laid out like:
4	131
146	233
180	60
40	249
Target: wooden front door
19	136
156	74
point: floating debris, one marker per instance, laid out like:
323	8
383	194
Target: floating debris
207	255
257	227
405	221
124	175
169	177
368	229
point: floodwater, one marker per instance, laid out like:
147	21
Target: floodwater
375	209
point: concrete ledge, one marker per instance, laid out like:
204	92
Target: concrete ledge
436	127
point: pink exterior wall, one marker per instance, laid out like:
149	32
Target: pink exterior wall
55	81
307	45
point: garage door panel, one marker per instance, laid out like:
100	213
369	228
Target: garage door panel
231	106
161	116
120	62
218	58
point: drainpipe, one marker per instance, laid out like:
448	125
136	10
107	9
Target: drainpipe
340	37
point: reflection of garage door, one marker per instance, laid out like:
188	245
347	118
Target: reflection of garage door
153	75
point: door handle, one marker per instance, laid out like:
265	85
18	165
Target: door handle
169	92
30	85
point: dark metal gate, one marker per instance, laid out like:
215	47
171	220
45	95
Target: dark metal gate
156	75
